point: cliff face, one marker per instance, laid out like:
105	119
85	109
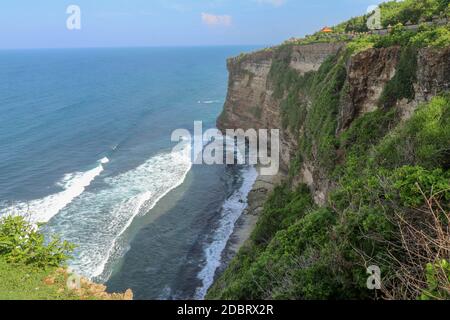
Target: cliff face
251	102
433	73
369	71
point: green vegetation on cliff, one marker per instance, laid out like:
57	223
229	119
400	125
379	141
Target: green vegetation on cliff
323	88
385	194
401	85
395	12
413	11
395	15
389	199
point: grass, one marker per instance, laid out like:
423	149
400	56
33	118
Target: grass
27	282
22	282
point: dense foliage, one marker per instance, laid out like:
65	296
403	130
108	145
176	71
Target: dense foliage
22	242
425	36
395	15
395	12
301	251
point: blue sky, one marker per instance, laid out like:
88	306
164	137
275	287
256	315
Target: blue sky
123	23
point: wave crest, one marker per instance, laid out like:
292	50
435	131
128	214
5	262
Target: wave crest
97	220
73	185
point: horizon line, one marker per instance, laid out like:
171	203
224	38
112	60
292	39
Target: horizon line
138	47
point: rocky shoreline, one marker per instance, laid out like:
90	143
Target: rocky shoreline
246	223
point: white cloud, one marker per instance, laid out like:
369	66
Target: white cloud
216	20
275	3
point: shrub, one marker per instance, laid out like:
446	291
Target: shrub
367	130
437	274
361	44
282	209
411	182
394	12
423	140
22	242
422	236
432	37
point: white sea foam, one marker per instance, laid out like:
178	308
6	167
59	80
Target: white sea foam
104	160
73	185
98	218
232	209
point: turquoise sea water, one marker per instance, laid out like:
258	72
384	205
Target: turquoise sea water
85	146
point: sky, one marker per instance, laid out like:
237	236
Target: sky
131	23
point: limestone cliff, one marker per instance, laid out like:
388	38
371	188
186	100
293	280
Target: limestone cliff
252	102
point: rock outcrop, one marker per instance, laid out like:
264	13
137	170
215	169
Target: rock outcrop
82	288
370	70
433	74
367	74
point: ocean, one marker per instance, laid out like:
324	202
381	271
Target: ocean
85	147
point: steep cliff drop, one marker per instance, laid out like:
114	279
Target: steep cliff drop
319	95
257	100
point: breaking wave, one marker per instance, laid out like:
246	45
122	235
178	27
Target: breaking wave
232	209
72	185
96	220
